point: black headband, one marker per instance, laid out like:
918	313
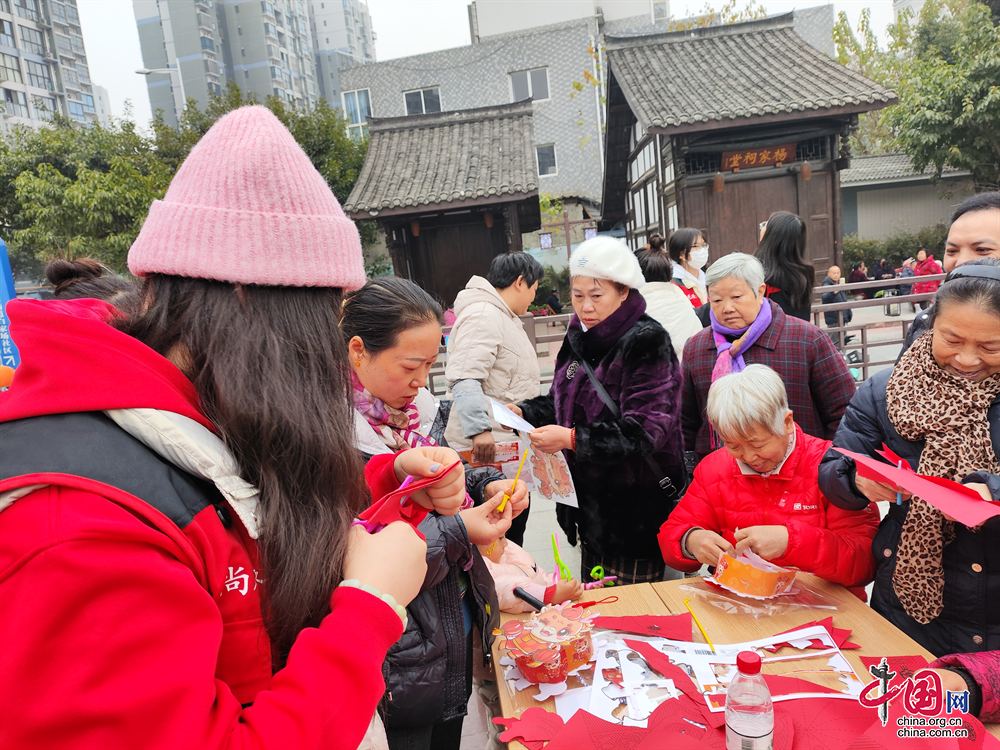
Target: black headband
981	272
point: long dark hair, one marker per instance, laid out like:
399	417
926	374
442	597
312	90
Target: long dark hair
270	368
681	242
782	253
382	309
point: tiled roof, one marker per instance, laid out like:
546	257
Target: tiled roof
446	158
685	80
888	168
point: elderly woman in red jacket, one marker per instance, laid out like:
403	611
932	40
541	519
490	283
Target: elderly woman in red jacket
759	492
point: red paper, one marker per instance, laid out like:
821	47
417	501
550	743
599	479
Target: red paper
839	635
584	731
533	729
951	498
671	627
390	509
903	666
825	724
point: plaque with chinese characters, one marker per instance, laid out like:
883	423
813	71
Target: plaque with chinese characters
768	156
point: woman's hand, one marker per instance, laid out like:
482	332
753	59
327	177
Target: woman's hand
518	498
484	448
769	542
444	496
984	492
951	680
706	546
878	492
483	524
516	409
551	438
567	590
394	560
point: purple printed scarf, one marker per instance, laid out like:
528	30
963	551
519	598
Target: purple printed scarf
730	358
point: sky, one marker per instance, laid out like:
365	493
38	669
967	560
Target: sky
404	27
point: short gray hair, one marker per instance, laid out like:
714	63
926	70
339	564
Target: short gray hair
741	400
738	265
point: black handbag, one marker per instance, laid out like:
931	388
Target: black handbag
666	483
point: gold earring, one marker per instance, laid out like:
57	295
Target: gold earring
357	363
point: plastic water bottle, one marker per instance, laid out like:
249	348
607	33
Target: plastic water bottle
749	711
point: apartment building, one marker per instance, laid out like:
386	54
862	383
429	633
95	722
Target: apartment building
343	36
43	64
195	46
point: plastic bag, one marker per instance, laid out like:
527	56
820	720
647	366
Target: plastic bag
800	597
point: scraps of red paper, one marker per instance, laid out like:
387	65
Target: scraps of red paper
839	635
584	731
662	664
671	627
951	498
533	728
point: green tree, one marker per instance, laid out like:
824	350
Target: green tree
949	111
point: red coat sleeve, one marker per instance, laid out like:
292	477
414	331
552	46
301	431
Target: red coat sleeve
694	510
111	642
841	553
380	475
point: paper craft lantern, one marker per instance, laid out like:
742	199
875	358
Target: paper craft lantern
550	645
753	576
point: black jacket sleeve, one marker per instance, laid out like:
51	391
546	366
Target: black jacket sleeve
540	410
860	432
448	545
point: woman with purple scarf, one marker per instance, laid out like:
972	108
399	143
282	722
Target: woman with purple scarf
747	328
614	410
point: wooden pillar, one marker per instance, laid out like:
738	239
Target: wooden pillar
512	227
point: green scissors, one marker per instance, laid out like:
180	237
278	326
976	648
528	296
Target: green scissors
597	573
564	571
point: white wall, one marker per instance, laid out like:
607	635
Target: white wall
907	209
501	16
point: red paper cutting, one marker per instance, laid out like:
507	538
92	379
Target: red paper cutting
903	666
825	724
584	731
671	627
533	729
951	498
662	664
839	635
390	509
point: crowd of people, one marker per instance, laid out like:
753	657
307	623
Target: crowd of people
185	461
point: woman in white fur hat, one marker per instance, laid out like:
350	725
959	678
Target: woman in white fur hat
614	410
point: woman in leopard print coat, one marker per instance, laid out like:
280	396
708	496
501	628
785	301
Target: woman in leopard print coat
939	409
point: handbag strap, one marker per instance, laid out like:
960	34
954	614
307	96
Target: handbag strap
665	482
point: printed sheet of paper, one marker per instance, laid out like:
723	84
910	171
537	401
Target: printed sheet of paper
544	473
626	690
505	416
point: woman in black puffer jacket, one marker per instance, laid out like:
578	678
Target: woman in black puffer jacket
939	409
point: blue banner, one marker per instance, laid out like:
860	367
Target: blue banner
8	351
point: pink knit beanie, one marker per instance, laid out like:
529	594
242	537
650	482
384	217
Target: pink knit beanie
247	206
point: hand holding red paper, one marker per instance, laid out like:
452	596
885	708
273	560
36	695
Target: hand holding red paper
961	503
446	493
399	505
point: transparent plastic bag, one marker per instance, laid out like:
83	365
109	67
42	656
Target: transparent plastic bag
799	598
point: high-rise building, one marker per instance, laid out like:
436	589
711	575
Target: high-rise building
102	102
342	36
195	46
43	63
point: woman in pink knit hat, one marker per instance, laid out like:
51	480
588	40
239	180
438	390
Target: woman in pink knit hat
178	566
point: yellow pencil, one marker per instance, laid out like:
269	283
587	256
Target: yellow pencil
698	623
506	497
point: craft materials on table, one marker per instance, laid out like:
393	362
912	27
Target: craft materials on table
548	647
561	569
687	603
753	576
600	580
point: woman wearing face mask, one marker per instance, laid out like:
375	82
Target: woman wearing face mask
939	409
622	438
393	331
689	253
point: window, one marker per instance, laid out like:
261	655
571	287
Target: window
76	111
10	70
422	102
88	103
31	41
239	30
58	11
546	159
38	75
270	29
7	34
660	10
276	72
84	74
237	9
208	43
77	44
266	7
5	6
44	107
530	84
324	23
243	52
15	103
70	78
62	44
357	109
28	9
72	15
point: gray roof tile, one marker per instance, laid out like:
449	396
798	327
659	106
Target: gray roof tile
446	158
865	170
734	73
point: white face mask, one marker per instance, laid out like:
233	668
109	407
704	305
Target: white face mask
698	258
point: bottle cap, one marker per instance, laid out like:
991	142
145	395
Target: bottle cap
748	662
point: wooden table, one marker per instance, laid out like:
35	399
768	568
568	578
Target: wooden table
638	599
876	636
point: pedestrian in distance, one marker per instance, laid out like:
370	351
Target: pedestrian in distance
665	302
788	277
